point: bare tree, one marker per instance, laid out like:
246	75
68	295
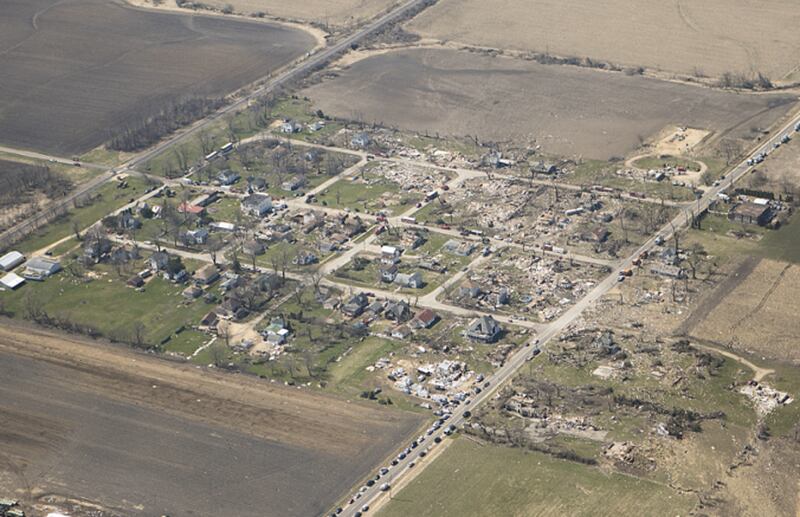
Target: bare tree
138	333
76	229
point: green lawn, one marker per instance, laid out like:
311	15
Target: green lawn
108	305
187	342
109	198
354	194
474	480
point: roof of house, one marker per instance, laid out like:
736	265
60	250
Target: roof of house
189	208
485	325
206	272
255	200
750	210
426	316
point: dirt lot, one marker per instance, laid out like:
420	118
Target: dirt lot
139	436
73	70
324	12
713	36
568	110
754	310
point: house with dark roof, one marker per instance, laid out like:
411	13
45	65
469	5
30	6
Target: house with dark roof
398	311
355	305
484	329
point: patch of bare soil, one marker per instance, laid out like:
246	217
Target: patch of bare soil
568	111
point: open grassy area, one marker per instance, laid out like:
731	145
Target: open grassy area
107	199
472	479
186	342
374	194
105	303
716	236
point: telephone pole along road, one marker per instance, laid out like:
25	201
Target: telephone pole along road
374	494
296	71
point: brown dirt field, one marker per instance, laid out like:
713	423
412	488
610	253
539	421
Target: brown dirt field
568	110
73	70
138	435
758	315
714	36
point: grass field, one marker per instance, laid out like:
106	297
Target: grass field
107	304
377	194
476	480
568	111
688	37
74	70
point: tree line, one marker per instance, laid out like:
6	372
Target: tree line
144	133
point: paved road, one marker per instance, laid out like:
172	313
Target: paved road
292	73
374	496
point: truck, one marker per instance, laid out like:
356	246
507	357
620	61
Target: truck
408	219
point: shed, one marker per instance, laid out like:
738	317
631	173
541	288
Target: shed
12	281
39	268
11	260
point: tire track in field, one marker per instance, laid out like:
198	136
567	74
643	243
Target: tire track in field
762	302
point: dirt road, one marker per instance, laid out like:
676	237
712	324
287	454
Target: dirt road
138	435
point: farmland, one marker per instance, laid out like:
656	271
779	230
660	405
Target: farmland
74	71
710	37
754	311
328	13
569	111
149	438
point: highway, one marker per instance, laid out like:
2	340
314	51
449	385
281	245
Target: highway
373	496
296	71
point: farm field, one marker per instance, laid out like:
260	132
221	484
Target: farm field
753	310
324	12
474	479
712	37
152	438
569	111
73	70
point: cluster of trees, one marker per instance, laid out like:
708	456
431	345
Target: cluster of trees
19	180
147	132
739	80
